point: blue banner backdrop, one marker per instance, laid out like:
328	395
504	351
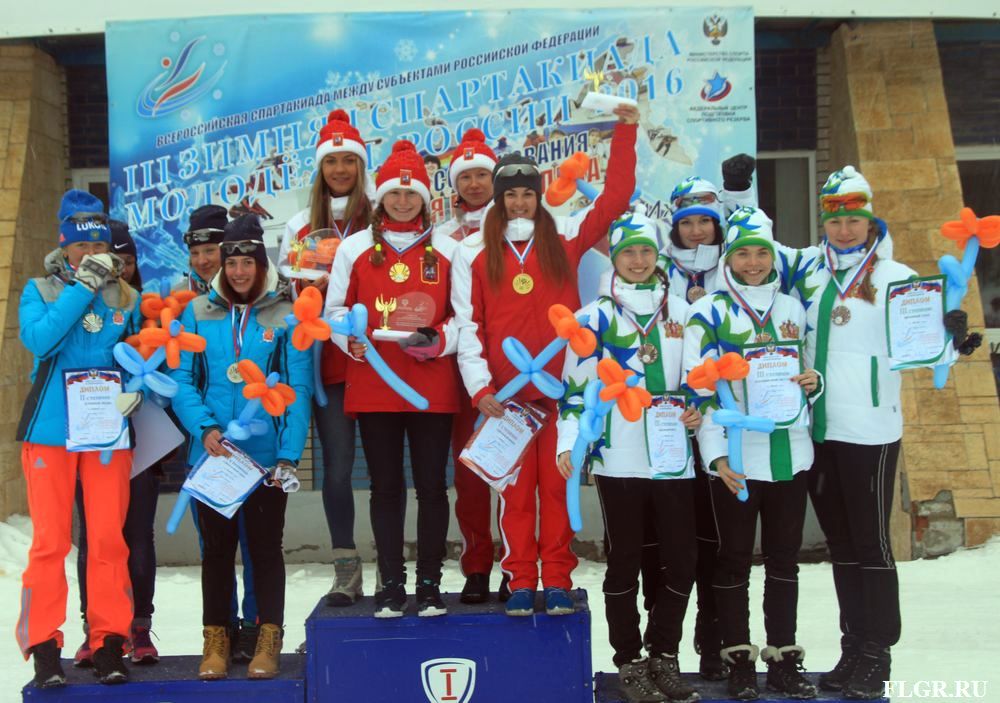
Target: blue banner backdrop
227	110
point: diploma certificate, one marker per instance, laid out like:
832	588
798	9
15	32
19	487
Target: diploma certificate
223	483
93	423
666	437
914	312
768	388
496	449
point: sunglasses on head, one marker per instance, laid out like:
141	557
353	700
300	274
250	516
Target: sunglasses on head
246	246
851	201
200	236
516	170
81	217
696	199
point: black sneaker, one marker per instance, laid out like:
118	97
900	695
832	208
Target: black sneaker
635	684
390	602
742	674
665	673
850	655
476	590
784	672
48	669
245	642
503	593
868	679
109	664
429	601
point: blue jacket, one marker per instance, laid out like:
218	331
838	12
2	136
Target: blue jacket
50	316
207	399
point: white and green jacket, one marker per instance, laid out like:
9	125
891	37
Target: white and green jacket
622	451
717	324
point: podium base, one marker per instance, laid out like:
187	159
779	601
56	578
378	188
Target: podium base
606	690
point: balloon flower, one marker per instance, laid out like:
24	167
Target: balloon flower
309	329
573	178
715	376
970	233
614	386
262	392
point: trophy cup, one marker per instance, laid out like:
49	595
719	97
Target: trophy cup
598	101
403	315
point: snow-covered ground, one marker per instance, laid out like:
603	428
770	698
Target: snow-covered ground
951	613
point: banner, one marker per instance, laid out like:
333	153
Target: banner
227	110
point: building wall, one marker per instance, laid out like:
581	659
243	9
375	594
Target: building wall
33	173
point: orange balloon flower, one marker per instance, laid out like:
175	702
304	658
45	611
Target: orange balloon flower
311	327
730	367
630	399
987	229
153	304
156	337
275	399
562	188
581	339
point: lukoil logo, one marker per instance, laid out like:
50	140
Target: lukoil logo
448	680
173	89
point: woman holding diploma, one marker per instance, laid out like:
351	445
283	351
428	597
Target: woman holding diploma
338	201
70	320
751	317
401	271
642	327
857	424
243	317
505	279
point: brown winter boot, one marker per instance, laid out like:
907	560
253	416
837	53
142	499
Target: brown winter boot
264	664
215	656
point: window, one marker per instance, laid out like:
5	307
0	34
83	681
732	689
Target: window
786	192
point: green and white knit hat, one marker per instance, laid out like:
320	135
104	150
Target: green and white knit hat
846	193
633	228
749	227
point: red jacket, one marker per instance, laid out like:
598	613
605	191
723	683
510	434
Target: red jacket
488	315
355	279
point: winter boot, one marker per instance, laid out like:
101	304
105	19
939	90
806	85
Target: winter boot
245	641
143	649
850	655
476	589
109	662
48	669
264	664
868	679
784	672
346	589
742	673
215	654
84	656
665	673
635	684
707	644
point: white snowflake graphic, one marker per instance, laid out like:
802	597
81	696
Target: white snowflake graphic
405	50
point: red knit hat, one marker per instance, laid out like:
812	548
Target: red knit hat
403	169
339	136
471	153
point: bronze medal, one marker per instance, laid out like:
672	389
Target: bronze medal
648	353
696	293
233	373
523	283
399	272
92	322
763	338
840	316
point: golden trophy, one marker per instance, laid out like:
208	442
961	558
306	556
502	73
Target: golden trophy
386	307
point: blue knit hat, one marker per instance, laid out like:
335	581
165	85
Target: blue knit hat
82	219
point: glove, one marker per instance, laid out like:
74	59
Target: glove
736	172
971	344
284	477
128	403
94	271
956	323
423	344
117	267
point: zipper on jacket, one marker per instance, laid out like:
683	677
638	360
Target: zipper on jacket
874	380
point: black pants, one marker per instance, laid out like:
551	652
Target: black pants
429	436
851	486
781	506
625	503
144	491
264	521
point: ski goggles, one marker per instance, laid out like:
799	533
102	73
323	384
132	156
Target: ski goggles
694	199
511	170
82	217
849	202
244	246
208	235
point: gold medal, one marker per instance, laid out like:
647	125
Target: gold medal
233	373
399	272
840	315
648	353
696	293
92	322
523	283
763	338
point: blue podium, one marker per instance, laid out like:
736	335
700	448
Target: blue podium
606	689
473	654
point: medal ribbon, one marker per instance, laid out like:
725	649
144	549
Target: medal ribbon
843	290
241	328
643	330
345	234
415	242
694	278
521	257
759	321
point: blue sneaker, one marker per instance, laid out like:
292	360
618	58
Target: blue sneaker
521	603
558	601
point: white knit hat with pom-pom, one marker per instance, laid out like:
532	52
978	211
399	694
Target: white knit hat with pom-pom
846	193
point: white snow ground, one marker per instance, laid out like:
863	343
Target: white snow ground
951	613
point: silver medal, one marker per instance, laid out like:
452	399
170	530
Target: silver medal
233	373
92	322
648	353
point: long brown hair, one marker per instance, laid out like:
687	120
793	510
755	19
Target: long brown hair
551	255
358	210
865	289
234	298
378	256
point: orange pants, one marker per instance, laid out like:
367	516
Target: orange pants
50	473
